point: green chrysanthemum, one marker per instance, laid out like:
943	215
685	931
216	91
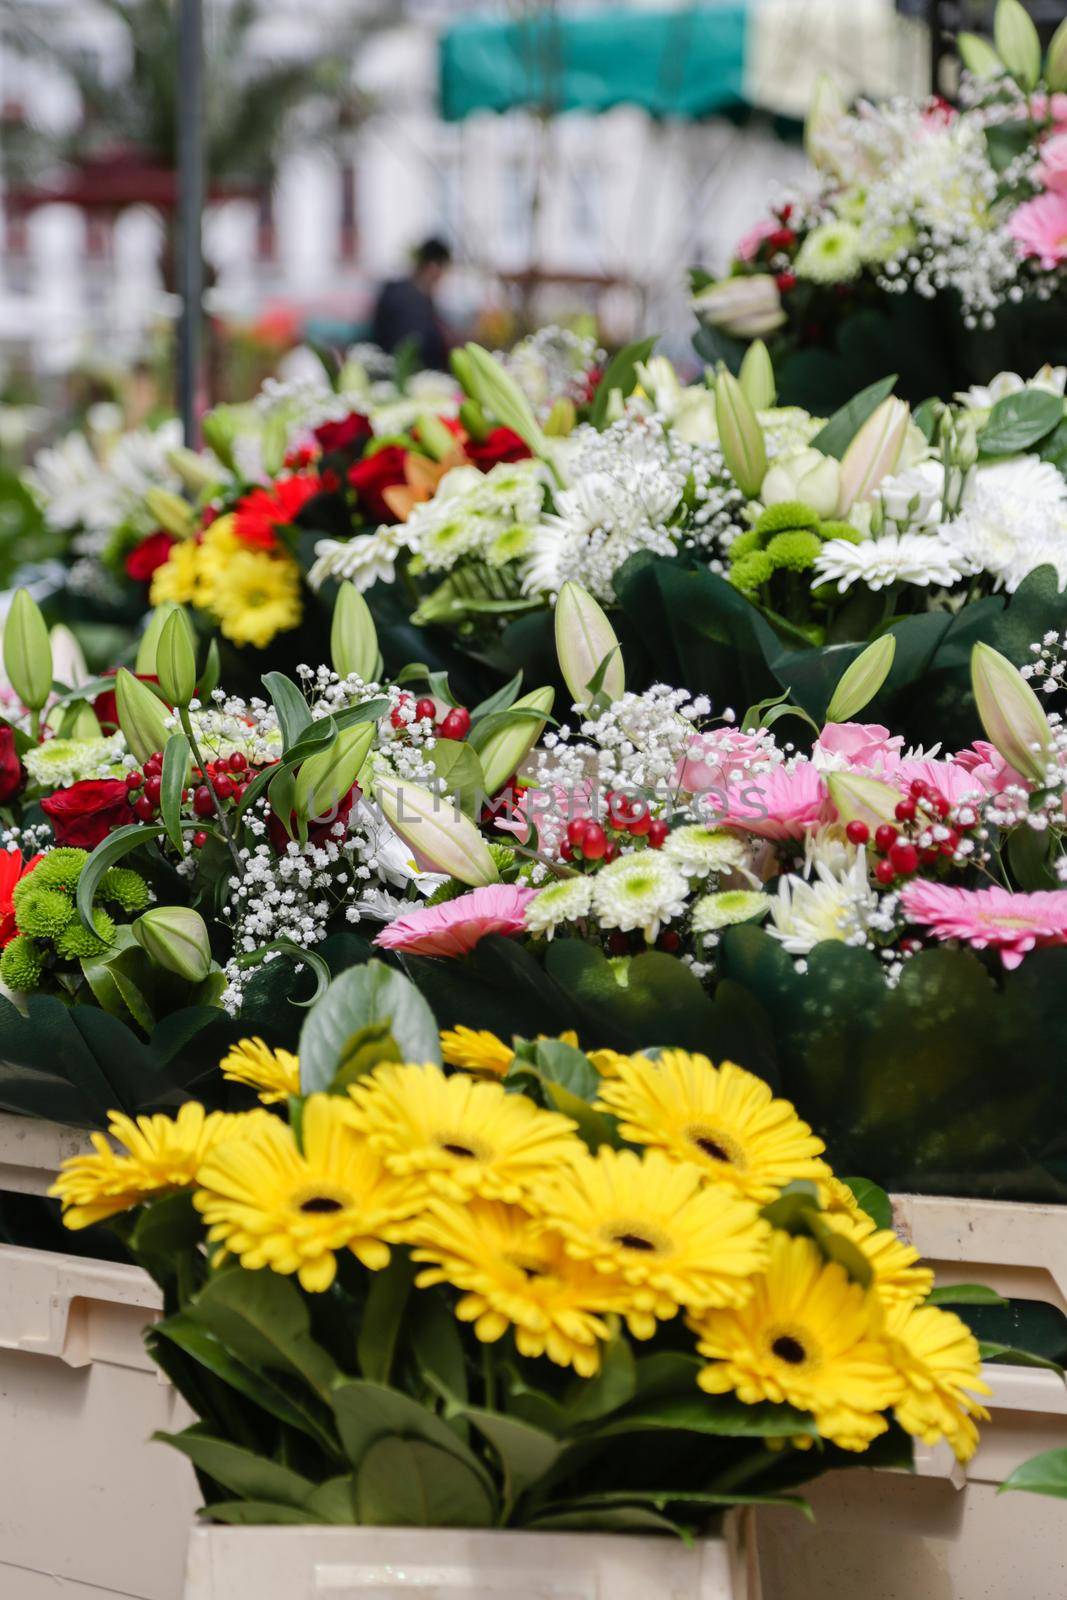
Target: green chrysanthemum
21	965
503	857
60	868
729	906
451	889
751	572
785	516
39	911
840	530
125	888
794	552
76	942
745	544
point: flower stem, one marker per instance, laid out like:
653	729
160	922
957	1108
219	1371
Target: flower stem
187	729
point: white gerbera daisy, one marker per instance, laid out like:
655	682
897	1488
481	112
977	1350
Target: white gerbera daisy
362	560
566	900
836	907
698	851
921	558
727	908
639	890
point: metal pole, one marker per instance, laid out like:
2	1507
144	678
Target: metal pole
190	213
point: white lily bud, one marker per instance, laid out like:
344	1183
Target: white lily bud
862	679
745	307
740	436
860	799
873	453
585	639
437	833
1010	713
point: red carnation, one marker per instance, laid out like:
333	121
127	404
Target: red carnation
86	812
382	470
10	765
151	553
344	435
259	513
500	445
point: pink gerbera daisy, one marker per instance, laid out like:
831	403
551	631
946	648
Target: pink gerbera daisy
457	926
784	803
1039	228
991	918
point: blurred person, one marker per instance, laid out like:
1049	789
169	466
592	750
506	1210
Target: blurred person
406	308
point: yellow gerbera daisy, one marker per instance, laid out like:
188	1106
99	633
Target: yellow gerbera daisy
159	1154
607	1062
723	1119
517	1274
476	1050
177	578
275	1074
654	1222
254	595
938	1357
460	1136
273	1205
896	1277
809	1337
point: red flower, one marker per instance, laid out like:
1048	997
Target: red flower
12	870
10	765
500	445
151	553
263	510
384	469
344	435
86	812
105	705
321	829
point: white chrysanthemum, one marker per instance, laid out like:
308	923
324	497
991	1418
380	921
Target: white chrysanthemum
698	851
921	558
983	397
830	254
911	500
1029	478
728	908
60	762
831	906
362	560
640	890
1014	520
566	900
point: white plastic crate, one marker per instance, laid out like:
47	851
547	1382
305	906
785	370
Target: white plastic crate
32	1151
1018	1249
316	1563
89	1506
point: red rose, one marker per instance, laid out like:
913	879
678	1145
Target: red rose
151	553
105	705
86	812
500	445
10	765
382	470
345	435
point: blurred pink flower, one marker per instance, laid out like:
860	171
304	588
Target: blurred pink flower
988	767
952	781
457	926
1054	107
863	746
1053	169
749	243
993	918
780	804
714	760
1039	228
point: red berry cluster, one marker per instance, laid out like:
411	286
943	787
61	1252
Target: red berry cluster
455	724
228	778
589	840
921	836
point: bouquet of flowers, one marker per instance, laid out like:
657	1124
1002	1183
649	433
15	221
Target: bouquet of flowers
535	1294
929	224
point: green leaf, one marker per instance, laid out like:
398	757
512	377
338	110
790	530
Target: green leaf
685	1497
835	438
383	1315
165	1227
621	374
246	1513
281	792
1019	420
1043	1474
870	1198
723	1415
964	1294
607	1519
251	1476
334	1501
294	715
589	1399
176	757
500	701
366	1412
989	1350
297	953
457	763
117	844
263	1319
525	1453
496	390
360	998
407	1483
437	1346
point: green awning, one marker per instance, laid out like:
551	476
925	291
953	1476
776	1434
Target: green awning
687	62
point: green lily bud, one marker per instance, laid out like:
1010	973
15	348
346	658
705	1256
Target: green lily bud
435	437
171	512
196	473
561	419
145	664
28	651
273	440
220	429
861	681
509	744
142	716
68	661
1056	60
826	111
585	640
860	799
497	392
438	833
756	377
324	779
740	436
873	454
1010	713
462	371
176	659
175	938
978	56
353	637
473	419
1018	42
84	723
211	672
